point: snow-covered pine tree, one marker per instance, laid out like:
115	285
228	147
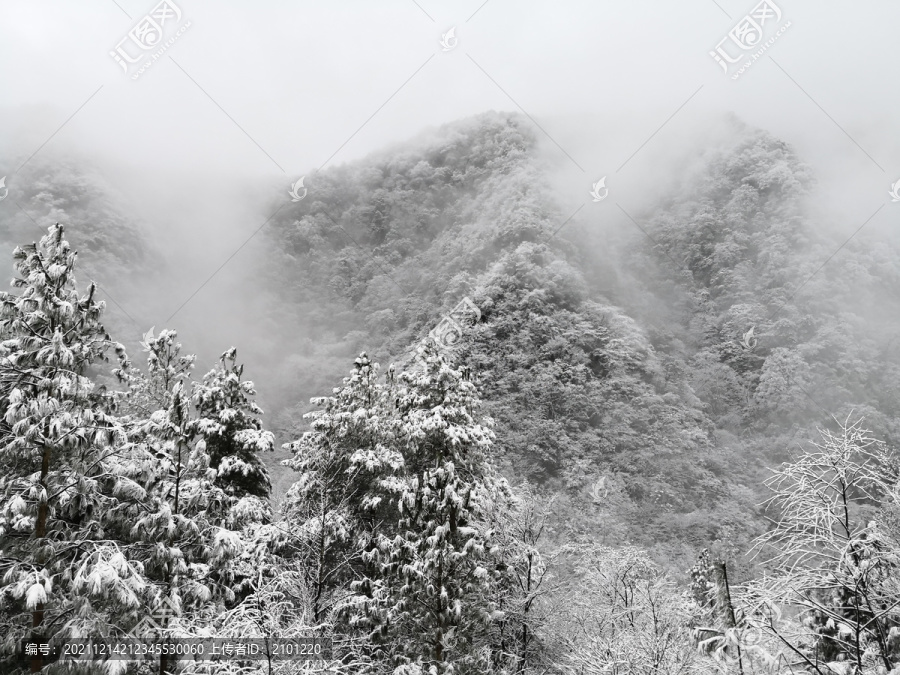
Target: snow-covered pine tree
229	423
178	538
347	466
166	366
429	604
61	572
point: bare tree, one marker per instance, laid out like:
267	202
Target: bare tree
524	564
831	597
624	616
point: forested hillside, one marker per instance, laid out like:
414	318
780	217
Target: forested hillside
577	390
645	385
672	450
113	244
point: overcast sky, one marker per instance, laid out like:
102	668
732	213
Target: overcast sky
252	91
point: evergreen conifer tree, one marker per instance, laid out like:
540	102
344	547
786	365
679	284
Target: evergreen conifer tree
347	467
179	537
230	425
428	601
62	572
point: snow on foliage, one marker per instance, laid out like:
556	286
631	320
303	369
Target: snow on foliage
401	463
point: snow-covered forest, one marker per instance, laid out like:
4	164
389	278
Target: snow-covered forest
565	489
439	404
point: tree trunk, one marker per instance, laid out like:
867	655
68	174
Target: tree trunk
163	658
523	657
320	581
40	531
731	619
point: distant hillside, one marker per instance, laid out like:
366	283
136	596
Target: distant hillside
648	414
825	311
100	225
380	249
